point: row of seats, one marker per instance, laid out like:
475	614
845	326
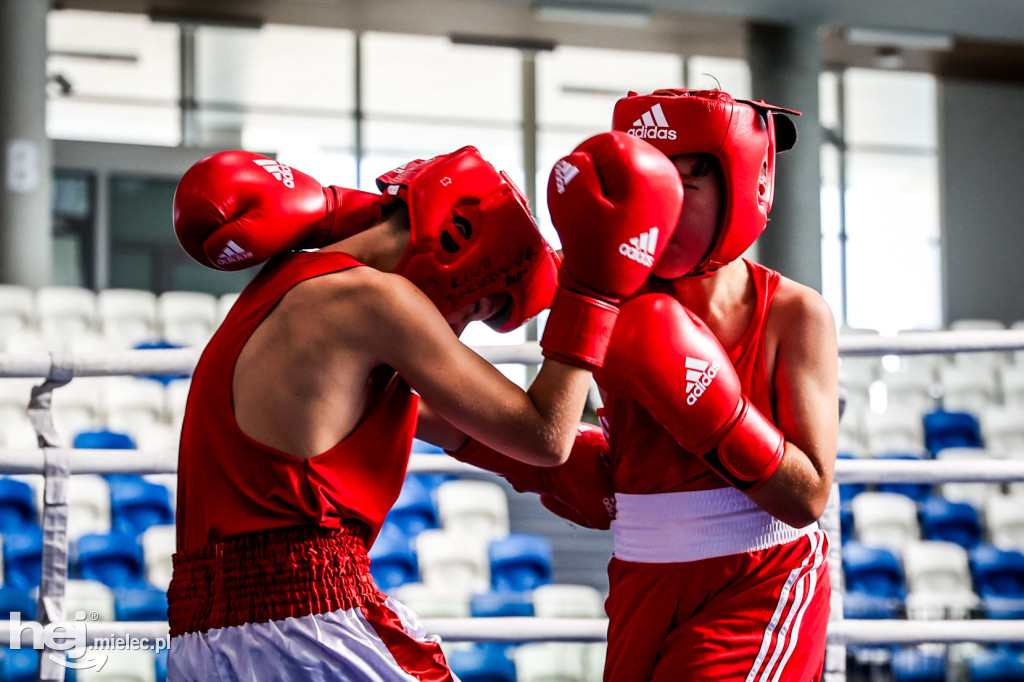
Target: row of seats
122	503
125	603
1000	430
932	579
924	388
148	412
935	663
76	318
21	665
890	519
113	559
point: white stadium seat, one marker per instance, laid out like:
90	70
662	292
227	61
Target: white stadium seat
127	316
187	318
473	507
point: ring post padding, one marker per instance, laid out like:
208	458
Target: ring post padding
57	476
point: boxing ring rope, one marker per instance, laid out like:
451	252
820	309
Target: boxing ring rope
59	368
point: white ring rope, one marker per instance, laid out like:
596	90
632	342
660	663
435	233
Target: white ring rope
183	360
30	461
845	633
169	362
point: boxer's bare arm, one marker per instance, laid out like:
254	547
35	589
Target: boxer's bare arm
302	381
802	329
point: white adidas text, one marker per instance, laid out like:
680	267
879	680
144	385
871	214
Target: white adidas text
278	170
695	388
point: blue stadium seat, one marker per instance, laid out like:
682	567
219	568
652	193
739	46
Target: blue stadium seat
161	666
846	527
997	572
392	558
501	604
17	600
415	510
17	505
140	603
482	663
952	521
18	665
872	570
914	665
161	345
114	559
422	447
103	439
520	561
951	430
23	557
915	491
861	605
995	665
136	504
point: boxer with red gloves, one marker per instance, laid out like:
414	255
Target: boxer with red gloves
720	393
303	405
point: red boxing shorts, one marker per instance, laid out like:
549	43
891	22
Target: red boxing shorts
759	615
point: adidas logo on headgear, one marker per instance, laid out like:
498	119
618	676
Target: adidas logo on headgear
699	375
233	253
653	125
278	170
564	173
641	249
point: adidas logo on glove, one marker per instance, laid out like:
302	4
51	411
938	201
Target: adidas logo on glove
233	253
564	173
653	125
641	249
699	375
278	170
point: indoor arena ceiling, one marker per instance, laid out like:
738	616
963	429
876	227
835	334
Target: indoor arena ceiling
955	38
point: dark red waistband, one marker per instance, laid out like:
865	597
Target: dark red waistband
270	576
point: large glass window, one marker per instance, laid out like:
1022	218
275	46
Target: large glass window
106	68
880	237
282	90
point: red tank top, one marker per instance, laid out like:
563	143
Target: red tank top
230	485
645	458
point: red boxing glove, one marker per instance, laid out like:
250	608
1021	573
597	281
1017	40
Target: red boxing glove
579	490
615	202
664	357
233	210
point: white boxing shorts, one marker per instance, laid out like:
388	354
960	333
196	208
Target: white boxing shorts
361	644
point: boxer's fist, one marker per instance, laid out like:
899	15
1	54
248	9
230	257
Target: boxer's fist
579	490
615	202
235	209
664	357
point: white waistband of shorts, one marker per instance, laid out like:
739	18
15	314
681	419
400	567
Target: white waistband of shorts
690	526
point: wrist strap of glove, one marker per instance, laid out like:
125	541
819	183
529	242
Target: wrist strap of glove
578	329
750	451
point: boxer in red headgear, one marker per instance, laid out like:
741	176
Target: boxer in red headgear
721	423
304	404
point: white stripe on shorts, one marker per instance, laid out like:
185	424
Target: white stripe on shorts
803	593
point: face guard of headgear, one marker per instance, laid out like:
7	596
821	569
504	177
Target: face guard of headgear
743	135
472	236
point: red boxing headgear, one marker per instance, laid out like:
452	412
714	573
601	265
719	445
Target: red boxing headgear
743	135
472	236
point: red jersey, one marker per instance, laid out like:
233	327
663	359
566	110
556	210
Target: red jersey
644	457
230	485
